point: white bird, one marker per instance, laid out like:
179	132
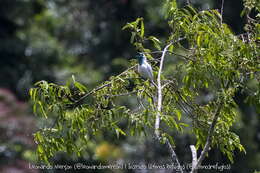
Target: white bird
144	68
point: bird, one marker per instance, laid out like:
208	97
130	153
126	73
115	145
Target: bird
144	68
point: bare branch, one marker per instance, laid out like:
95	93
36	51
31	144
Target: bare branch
159	88
222	10
159	108
159	92
122	94
194	157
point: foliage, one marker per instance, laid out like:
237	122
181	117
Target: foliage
250	5
203	54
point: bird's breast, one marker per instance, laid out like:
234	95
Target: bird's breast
143	70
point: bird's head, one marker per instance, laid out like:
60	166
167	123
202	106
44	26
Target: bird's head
141	58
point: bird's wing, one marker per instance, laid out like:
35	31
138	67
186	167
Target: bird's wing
150	71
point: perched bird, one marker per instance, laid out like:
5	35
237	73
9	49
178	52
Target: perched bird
144	68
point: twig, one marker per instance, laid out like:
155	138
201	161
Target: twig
164	85
100	87
183	100
122	94
92	91
222	10
183	56
140	99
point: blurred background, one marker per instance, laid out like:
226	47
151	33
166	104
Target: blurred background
54	39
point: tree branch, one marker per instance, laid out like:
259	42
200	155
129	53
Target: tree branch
159	109
209	139
194	157
159	92
122	94
222	10
159	88
174	157
77	102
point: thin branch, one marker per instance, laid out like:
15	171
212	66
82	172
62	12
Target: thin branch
165	85
93	91
140	102
139	99
183	100
210	133
209	138
174	156
183	56
122	94
55	122
100	87
222	10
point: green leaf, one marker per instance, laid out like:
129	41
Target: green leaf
156	42
35	108
178	113
142	29
128	25
183	124
121	131
73	78
170	138
38	137
132	37
81	87
31	92
118	130
40	149
199	39
230	156
172	123
42	109
171	48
